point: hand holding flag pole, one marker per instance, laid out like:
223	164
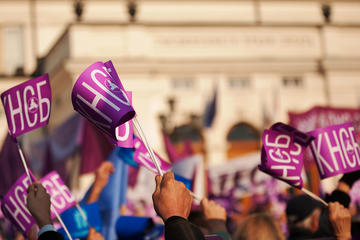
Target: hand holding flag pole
36	94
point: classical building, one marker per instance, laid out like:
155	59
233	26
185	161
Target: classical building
264	57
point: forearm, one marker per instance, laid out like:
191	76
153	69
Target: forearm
94	194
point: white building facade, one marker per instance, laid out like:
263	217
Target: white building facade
265	57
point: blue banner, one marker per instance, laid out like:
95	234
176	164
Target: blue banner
77	225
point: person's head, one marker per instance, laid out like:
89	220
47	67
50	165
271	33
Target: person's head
259	226
303	212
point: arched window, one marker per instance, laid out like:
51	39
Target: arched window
185	133
242	139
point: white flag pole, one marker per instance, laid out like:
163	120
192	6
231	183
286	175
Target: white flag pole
147	145
314	196
30	181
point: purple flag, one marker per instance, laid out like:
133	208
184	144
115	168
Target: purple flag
14	205
111	70
98	98
142	157
27	105
335	150
61	198
282	153
124	133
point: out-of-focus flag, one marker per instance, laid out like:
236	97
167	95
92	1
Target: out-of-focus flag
142	157
335	150
113	195
210	111
173	154
282	153
27	105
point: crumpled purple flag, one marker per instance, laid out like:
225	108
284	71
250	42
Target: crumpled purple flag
282	153
125	132
335	150
27	105
100	99
142	157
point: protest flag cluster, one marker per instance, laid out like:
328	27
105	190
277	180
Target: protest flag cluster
99	96
335	150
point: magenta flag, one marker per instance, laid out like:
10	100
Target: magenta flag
335	150
124	133
14	205
111	70
27	105
282	153
142	157
61	198
100	99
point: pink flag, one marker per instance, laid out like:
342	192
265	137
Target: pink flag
282	153
27	105
142	157
101	100
124	132
335	150
14	205
111	70
61	198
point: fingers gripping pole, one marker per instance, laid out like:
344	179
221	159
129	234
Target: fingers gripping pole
311	194
30	181
148	147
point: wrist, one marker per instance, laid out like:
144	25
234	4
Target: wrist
345	236
43	221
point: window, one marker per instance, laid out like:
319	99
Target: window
182	83
239	82
292	81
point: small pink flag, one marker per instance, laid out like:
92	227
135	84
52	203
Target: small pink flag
142	157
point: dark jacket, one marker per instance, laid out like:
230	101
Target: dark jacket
178	228
51	235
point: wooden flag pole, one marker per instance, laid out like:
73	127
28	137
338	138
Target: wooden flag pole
30	180
314	196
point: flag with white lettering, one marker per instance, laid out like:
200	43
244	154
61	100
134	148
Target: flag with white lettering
335	150
27	105
125	132
61	198
282	153
142	156
99	98
14	205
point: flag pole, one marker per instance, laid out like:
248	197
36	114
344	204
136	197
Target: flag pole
30	180
82	213
314	196
147	145
151	152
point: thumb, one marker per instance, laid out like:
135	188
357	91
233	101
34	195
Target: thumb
204	203
92	231
158	180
